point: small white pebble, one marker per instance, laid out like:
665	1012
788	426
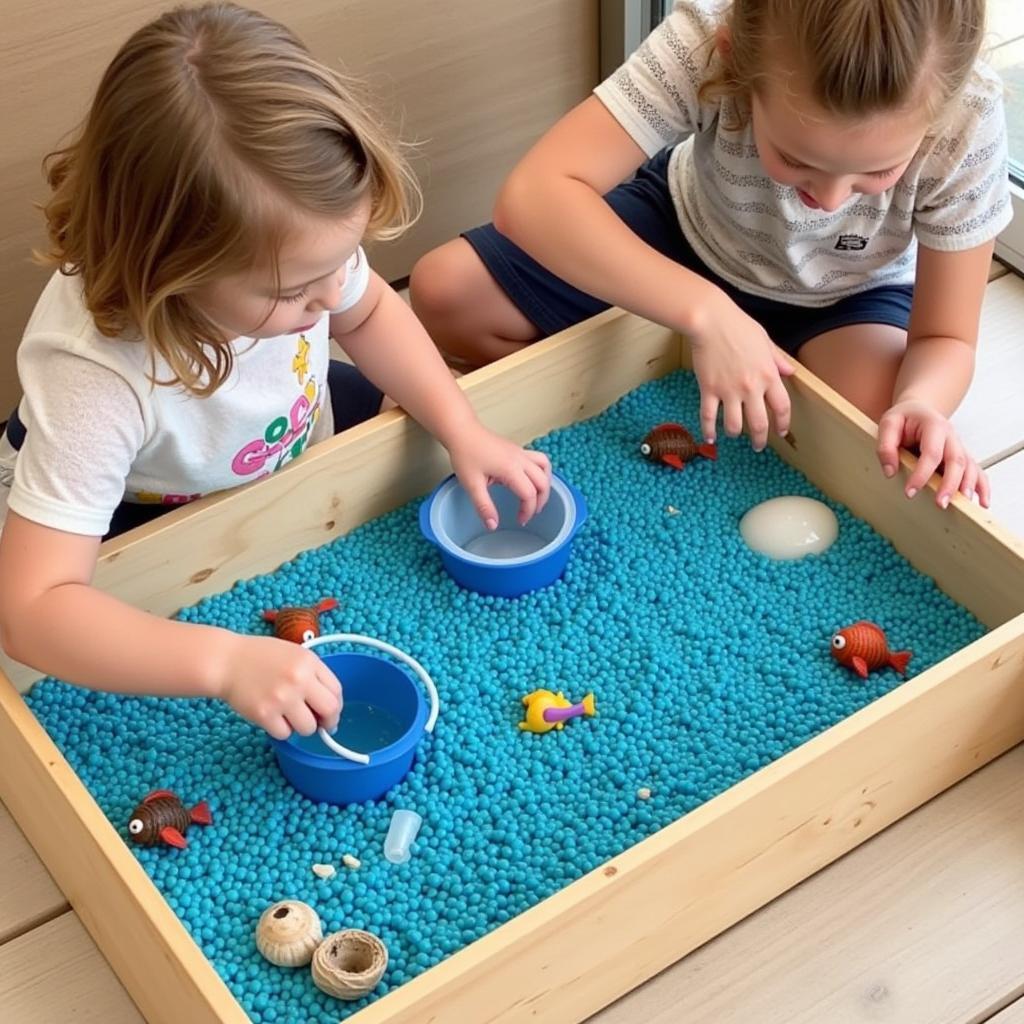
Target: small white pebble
644	793
672	510
324	870
351	862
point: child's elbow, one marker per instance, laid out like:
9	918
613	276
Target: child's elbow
8	642
8	631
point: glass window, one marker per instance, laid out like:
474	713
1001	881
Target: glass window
1006	54
1006	38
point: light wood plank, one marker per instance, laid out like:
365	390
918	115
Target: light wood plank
617	926
28	895
471	84
56	973
1007	479
962	548
1013	1014
991	418
923	925
143	939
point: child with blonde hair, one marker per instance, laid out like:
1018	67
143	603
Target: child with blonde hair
819	179
206	225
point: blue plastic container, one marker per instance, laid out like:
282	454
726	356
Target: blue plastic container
384	714
511	560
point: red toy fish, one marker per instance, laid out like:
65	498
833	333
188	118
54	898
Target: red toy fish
299	624
163	818
674	445
863	647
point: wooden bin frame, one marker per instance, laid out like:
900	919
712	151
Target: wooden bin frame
604	934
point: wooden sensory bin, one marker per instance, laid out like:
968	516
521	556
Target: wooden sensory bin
609	931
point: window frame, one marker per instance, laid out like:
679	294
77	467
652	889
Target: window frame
1010	244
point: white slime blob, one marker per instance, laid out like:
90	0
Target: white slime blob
789	527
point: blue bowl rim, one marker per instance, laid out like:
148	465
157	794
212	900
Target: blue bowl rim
448	547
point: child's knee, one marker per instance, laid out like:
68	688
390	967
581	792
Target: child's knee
441	284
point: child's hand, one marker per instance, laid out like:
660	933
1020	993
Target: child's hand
482	457
914	423
740	368
279	686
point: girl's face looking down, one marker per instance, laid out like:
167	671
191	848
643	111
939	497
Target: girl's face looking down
312	264
825	158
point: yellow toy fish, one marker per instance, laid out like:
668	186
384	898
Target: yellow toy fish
546	710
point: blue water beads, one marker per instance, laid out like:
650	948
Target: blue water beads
707	660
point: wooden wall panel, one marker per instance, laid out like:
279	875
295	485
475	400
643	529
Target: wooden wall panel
473	83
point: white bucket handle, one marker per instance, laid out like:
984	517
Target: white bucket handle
369	641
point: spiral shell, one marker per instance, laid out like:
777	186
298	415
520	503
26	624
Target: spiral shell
288	932
349	964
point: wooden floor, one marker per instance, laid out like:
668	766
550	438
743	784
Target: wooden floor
924	924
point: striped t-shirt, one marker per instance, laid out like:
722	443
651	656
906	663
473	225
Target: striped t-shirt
758	235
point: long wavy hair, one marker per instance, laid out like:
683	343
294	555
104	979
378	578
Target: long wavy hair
211	129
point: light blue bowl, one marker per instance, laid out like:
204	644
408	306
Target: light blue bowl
511	560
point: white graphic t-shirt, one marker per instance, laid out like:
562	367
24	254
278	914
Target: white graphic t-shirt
99	431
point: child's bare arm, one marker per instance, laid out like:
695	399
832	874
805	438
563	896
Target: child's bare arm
389	344
552	206
937	370
53	619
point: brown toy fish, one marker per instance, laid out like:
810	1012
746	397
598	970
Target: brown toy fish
674	445
299	624
163	818
864	647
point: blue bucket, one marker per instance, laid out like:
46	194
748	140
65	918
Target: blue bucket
384	716
511	560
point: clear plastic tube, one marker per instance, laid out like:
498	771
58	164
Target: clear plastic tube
402	832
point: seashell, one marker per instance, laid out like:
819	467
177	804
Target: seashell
351	862
288	932
324	870
349	964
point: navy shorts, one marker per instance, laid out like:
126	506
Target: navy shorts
645	204
353	399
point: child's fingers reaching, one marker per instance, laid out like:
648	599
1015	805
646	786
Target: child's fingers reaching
277	727
782	362
890	434
540	477
969	484
983	488
523	487
709	417
301	719
954	469
932	447
732	418
757	421
478	494
325	702
777	398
